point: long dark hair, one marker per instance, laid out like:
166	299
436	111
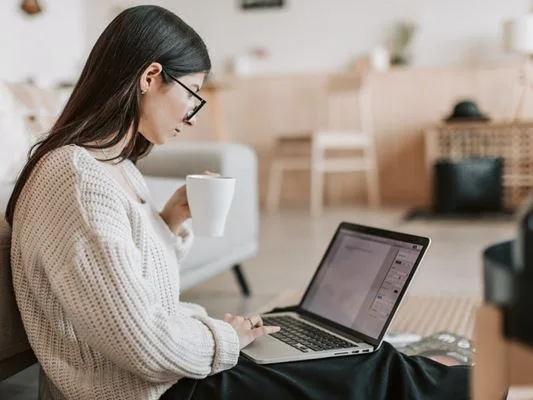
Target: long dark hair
104	104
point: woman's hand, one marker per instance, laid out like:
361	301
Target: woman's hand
176	210
249	328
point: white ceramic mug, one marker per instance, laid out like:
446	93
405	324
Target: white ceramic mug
210	198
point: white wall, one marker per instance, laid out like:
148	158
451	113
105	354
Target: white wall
305	35
46	47
328	34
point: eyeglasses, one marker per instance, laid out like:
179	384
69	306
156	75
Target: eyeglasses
197	107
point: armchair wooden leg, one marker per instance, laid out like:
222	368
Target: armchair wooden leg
241	279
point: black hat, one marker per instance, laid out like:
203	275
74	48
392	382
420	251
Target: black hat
466	111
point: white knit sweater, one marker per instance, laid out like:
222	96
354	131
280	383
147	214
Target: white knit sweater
98	294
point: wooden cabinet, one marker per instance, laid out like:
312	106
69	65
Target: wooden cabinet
513	142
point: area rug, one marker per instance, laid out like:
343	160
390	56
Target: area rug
419	314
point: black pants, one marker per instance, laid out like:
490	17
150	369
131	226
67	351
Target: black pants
384	374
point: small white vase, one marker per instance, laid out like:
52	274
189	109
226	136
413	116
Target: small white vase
242	65
380	59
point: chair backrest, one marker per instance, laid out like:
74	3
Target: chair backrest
349	105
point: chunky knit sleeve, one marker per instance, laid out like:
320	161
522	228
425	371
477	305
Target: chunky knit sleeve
97	277
194	309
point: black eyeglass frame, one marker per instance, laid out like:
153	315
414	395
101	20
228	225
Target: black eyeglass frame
197	108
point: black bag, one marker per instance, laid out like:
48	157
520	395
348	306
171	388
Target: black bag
468	185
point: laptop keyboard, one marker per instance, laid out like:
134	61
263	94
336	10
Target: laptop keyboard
304	337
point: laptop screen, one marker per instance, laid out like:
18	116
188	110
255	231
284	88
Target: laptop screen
361	279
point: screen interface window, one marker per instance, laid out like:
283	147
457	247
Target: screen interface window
361	280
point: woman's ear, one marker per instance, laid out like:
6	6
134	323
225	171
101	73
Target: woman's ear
149	77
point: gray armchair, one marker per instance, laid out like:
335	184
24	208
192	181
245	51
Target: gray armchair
165	170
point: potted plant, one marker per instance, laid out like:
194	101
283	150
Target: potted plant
402	39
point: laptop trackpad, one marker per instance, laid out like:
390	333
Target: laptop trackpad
268	347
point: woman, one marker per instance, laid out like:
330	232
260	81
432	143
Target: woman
96	267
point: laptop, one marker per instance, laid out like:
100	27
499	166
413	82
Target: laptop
350	301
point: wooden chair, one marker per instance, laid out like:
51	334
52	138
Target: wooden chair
348	129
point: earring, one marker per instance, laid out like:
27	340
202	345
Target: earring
143	91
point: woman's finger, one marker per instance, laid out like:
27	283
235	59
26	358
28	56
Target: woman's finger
255	320
227	317
210	173
265	330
